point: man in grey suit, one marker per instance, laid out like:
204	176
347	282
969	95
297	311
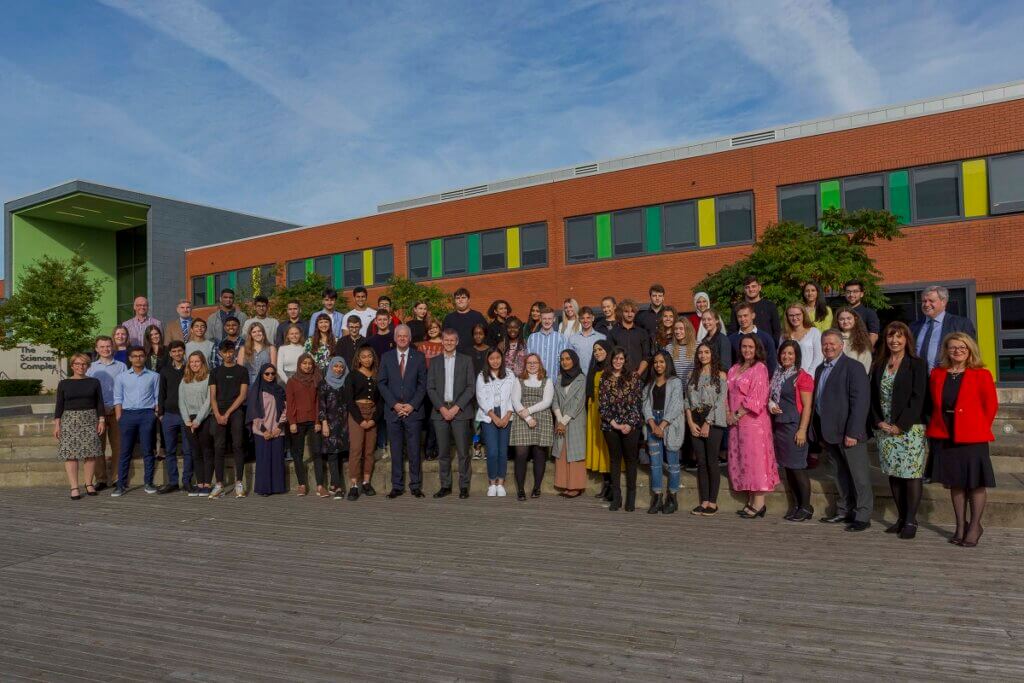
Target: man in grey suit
842	398
451	385
936	324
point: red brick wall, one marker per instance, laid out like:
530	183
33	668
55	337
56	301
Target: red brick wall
990	250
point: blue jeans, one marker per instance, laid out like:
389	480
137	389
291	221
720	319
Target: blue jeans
496	443
173	428
136	426
656	447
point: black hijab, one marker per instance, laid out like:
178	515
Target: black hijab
254	403
572	373
595	366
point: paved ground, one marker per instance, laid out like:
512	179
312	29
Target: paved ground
287	588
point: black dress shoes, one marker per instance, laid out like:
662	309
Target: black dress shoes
368	489
463	494
167	488
857	526
395	493
442	492
417	493
836	519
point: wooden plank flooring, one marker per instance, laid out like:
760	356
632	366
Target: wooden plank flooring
286	588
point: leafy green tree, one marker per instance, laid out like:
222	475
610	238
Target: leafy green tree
53	306
309	294
788	255
405	293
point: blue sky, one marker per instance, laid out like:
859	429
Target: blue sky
314	112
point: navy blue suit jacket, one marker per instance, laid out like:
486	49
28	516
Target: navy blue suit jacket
397	389
950	323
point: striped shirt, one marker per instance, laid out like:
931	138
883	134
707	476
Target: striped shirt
683	363
549	347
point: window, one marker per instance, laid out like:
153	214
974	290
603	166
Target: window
936	192
735	218
533	245
199	291
905	304
243	284
627	232
679	225
581	239
222	281
324	267
1006	183
295	272
799	204
352	265
1010	331
456	259
383	265
268	279
419	260
865	192
492	250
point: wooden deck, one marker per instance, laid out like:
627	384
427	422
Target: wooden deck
169	587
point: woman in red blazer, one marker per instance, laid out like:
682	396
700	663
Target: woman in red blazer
964	404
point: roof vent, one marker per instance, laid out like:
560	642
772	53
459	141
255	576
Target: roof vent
752	138
585	169
464	192
470	191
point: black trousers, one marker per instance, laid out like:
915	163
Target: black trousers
708	474
540	463
235	430
623	447
201	443
305	431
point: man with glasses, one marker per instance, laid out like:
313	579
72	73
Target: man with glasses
136	393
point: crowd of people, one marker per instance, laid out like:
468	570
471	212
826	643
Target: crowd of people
600	391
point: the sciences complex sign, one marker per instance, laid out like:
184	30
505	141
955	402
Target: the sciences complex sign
31	362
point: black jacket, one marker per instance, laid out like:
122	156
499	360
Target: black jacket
909	394
170	379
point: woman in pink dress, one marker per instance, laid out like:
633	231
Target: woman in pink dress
752	465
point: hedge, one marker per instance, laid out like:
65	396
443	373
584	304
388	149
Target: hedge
20	387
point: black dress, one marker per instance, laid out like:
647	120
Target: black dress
959	465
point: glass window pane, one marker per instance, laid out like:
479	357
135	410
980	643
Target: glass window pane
324	266
243	284
383	264
864	193
268	282
221	281
199	291
419	260
735	218
296	272
492	250
581	240
1011	368
936	193
1006	183
679	223
533	244
352	264
957	304
799	204
125	285
456	259
627	232
125	253
1011	312
139	247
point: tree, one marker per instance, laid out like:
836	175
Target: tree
405	293
309	294
53	306
788	255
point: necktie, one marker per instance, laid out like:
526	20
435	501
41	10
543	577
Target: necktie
401	364
185	325
927	342
825	372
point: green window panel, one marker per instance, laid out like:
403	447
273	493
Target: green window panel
830	195
436	259
604	235
337	270
899	195
310	266
233	280
652	220
473	249
210	298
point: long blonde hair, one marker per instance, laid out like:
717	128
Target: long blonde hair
204	372
250	349
787	329
689	338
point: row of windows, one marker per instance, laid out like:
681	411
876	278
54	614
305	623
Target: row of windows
205	288
354	268
491	251
941	192
676	226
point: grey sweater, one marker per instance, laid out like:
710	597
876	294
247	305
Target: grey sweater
194	399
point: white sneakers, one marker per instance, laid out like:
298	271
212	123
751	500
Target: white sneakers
217	492
492	490
239	489
501	490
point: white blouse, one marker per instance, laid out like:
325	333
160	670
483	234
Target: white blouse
288	360
532	382
496	392
810	350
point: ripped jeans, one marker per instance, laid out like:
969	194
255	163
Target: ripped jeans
658	452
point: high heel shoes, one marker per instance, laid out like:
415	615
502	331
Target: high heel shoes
972	544
750	513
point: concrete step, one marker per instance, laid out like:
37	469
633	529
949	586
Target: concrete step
1005	502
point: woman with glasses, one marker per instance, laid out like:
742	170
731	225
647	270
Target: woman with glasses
78	422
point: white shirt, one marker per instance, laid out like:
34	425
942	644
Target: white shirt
288	360
449	378
545	401
496	392
810	350
365	316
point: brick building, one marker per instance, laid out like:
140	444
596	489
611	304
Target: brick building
951	168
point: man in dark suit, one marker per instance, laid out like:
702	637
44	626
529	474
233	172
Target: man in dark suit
451	385
402	382
842	398
745	315
937	323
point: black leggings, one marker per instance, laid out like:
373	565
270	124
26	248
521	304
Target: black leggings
540	463
201	443
799	482
906	493
708	474
236	428
623	447
306	431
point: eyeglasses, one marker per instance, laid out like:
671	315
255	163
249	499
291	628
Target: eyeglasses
269	374
958	349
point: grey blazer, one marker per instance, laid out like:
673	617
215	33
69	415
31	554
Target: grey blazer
673	413
845	400
570	404
464	390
